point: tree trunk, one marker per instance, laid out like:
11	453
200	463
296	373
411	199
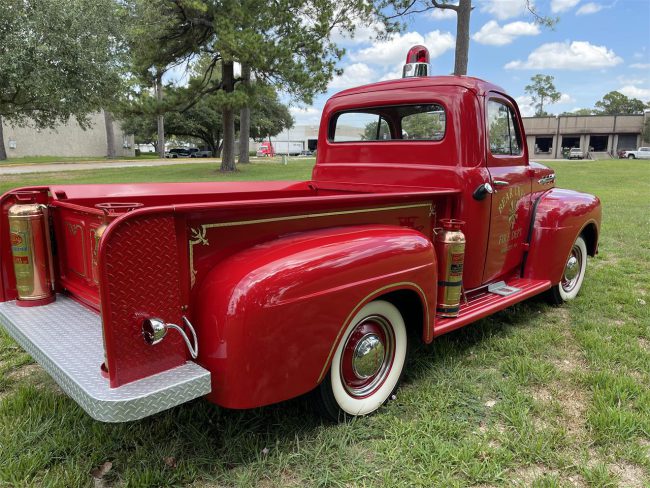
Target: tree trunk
245	120
228	151
463	13
110	135
161	116
3	151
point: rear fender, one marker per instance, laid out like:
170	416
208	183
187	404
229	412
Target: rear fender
560	217
269	317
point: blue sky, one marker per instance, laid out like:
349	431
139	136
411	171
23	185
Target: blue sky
596	47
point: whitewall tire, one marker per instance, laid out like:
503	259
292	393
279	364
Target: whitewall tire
573	274
367	363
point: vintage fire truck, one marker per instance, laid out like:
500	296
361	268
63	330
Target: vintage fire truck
423	214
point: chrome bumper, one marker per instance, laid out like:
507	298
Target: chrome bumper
65	338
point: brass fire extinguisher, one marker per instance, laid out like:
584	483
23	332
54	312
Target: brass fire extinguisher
450	248
32	255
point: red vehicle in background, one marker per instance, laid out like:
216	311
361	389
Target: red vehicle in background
266	149
423	214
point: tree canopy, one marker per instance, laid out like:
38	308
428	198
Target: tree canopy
58	59
542	91
202	120
614	103
288	45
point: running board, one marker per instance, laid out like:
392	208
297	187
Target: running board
491	301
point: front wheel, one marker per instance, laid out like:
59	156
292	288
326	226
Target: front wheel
572	276
367	364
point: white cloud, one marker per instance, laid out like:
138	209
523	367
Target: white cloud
629	80
495	35
640	65
394	49
562	5
306	115
394	74
565	98
441	14
578	55
636	92
525	104
589	8
504	9
353	75
364	33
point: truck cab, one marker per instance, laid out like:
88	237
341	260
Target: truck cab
423	214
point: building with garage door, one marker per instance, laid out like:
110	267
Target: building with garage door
599	136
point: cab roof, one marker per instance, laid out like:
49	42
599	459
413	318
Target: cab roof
480	87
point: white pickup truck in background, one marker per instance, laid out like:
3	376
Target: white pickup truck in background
641	153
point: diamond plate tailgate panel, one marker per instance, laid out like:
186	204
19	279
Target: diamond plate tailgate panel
66	339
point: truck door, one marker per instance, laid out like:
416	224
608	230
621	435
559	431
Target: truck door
507	164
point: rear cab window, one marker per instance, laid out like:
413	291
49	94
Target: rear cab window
424	122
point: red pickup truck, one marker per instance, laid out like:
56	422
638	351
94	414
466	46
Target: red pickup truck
423	215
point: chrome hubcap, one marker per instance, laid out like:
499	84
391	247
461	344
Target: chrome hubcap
368	356
572	269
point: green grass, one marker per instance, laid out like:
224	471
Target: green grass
269	170
79	159
533	396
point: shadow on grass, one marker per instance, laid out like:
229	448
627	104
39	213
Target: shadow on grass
45	436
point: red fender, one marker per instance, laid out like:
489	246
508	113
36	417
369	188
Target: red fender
269	317
560	216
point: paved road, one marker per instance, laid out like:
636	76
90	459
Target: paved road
18	169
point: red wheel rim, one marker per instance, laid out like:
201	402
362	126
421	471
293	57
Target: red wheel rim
367	357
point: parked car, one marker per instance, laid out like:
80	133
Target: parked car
307	152
576	153
200	153
641	153
178	152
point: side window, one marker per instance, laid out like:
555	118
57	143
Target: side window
361	126
503	133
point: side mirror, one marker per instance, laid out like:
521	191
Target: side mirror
482	191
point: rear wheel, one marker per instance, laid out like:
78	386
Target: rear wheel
367	364
630	156
573	274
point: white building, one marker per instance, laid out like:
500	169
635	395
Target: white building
67	140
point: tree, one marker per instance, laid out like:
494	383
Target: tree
245	119
288	45
58	59
542	90
463	9
580	111
615	103
645	135
203	120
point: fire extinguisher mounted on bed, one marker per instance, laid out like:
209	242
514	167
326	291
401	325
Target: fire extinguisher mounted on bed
29	230
450	248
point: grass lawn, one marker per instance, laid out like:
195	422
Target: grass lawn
532	396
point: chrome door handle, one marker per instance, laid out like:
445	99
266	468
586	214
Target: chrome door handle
500	183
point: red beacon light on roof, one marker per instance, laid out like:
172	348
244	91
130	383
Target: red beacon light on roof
417	62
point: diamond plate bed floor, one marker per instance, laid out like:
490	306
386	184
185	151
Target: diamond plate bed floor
66	339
